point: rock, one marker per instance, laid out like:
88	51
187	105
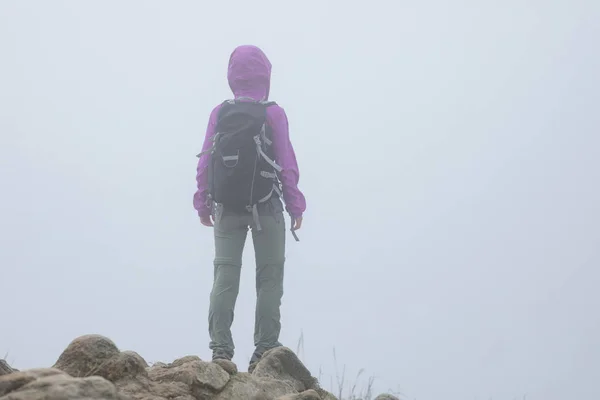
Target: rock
86	354
244	386
128	372
5	368
96	355
56	385
180	361
93	368
203	379
125	365
325	395
306	395
16	380
137	389
159	364
169	390
386	396
228	366
282	364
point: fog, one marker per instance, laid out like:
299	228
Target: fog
448	153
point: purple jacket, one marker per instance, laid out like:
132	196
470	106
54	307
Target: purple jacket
249	75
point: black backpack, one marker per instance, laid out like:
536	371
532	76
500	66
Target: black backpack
242	171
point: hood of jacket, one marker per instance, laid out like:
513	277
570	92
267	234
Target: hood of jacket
249	73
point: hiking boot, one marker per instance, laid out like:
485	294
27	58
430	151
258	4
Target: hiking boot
252	367
256	357
220	356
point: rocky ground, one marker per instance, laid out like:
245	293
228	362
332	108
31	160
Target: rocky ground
93	368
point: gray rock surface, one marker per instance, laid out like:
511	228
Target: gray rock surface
228	366
306	395
282	364
246	386
85	355
52	385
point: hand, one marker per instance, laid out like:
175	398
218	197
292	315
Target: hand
207	220
297	224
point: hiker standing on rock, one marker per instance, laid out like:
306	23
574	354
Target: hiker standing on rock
246	168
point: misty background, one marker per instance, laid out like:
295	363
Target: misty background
448	152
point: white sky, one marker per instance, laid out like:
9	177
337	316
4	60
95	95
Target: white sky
448	153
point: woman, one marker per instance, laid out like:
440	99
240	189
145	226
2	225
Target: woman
249	76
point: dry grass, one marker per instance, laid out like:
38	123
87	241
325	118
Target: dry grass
343	389
354	392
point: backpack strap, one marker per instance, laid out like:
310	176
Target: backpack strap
214	138
292	222
262	153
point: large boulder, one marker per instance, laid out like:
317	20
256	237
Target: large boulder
282	364
202	379
14	381
52	384
85	355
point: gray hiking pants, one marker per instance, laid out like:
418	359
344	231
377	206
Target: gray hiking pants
230	232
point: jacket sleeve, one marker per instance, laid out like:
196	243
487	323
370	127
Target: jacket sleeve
286	158
200	197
